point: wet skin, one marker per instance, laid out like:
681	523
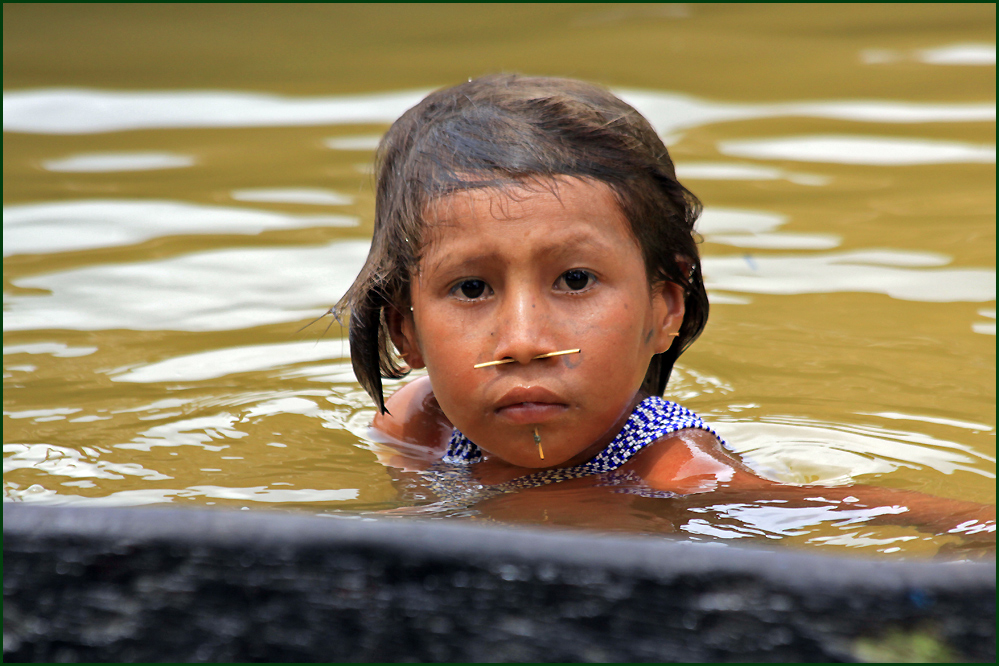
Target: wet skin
519	273
691	463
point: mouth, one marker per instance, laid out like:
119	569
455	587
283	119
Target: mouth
530	405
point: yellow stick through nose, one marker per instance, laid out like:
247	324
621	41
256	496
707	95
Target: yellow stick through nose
539	356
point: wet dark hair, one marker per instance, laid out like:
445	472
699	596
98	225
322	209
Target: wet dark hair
508	130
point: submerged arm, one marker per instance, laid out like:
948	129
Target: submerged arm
874	505
693	462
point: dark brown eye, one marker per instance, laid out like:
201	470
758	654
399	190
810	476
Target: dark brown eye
472	288
576	279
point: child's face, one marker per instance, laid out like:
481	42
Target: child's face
519	273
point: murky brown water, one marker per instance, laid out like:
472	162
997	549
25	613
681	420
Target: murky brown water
186	186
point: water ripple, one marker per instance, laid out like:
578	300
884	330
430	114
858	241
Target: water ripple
63	226
204	291
89	111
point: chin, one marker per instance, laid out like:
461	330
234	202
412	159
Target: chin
533	461
540	464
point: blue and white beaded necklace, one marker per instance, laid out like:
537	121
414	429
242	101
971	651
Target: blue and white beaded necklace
651	420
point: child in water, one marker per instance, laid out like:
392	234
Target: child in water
534	251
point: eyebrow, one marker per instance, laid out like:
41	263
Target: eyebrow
584	242
554	248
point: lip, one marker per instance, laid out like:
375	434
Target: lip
525	405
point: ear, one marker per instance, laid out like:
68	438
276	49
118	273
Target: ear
667	314
402	330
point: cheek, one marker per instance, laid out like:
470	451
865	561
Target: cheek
621	340
449	349
618	323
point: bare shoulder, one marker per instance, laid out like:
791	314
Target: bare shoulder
692	461
414	417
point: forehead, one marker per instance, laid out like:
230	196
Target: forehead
566	205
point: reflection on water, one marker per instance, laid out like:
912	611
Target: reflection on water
797	451
860	150
164	244
904	275
54	348
369	142
205	291
985	328
757	230
82	225
222	362
301	195
727	171
960	54
955	54
98	162
90	111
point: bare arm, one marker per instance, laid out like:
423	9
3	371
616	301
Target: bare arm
415	419
694	462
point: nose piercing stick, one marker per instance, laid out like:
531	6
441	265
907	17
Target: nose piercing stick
537	440
510	360
556	353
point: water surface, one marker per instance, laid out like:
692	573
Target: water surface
185	187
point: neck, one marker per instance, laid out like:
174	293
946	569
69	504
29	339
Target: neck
492	465
606	438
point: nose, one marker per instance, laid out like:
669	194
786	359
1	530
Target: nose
525	326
